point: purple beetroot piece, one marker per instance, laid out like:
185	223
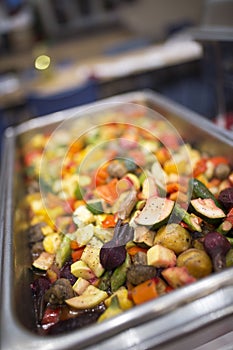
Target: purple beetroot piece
217	246
226	198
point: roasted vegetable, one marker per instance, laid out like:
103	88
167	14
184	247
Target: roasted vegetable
201	191
207	210
63	252
190	219
144	292
121	223
59	292
156	212
125	204
174	237
226	198
112	256
113	253
139	273
122	294
217	246
222	171
160	256
118	277
91	297
177	277
197	262
112	310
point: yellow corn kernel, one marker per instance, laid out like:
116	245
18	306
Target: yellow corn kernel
52	242
36	220
46	230
38	141
178	195
170	167
37	206
162	155
78	203
100	218
203	179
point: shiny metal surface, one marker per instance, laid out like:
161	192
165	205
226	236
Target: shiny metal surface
164	323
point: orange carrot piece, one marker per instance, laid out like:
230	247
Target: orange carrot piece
74	245
102	175
162	155
172	187
214	182
134	250
76	254
200	167
76	146
219	160
109	221
144	292
108	192
78	203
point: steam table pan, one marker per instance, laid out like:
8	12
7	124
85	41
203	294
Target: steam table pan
189	317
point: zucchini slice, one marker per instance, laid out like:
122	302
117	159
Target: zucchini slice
207	210
96	206
156	212
201	191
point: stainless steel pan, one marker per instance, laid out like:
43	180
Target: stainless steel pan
186	318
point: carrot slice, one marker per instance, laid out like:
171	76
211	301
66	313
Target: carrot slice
108	192
200	167
144	292
74	245
76	254
172	187
102	175
134	250
109	221
219	160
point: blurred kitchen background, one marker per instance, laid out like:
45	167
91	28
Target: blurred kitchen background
56	54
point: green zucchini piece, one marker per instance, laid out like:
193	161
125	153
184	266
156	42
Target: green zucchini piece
118	277
207	210
78	194
189	219
105	281
201	191
156	212
225	227
64	251
95	206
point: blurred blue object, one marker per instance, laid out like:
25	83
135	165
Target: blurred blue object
41	104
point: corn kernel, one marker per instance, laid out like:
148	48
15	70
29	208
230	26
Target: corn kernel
52	242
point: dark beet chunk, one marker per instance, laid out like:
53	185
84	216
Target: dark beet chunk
66	273
39	288
113	253
226	198
217	246
111	258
